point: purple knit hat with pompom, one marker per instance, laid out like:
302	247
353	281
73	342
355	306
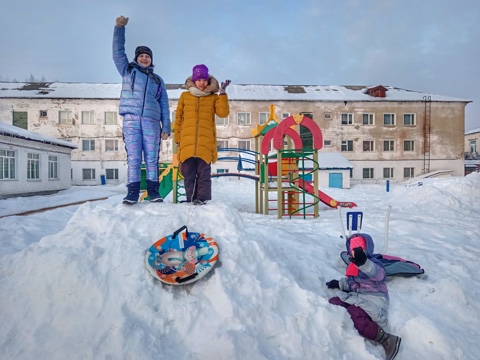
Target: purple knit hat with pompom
200	72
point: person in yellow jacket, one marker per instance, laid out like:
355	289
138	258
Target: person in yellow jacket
196	133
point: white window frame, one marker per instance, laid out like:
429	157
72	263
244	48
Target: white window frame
388	173
222	144
409	145
244	144
65	116
247	121
391	119
113	147
412	119
346	118
88	117
33	166
327	142
390	144
8	164
111	174
263	117
285	115
111	118
408	172
90	172
368	173
43	113
347	146
368	119
52	167
473	145
368	146
219	121
91	145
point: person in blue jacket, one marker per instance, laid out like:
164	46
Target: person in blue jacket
145	111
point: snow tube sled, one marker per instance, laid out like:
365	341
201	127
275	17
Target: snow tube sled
182	257
394	266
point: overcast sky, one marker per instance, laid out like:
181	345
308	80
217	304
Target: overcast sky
424	45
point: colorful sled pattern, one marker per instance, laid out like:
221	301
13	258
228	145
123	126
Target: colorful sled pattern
182	257
394	266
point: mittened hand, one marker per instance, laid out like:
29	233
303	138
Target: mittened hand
224	85
333	284
121	21
359	257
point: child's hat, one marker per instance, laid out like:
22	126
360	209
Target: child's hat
200	72
143	50
358	241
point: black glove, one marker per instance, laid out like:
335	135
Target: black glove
359	257
333	284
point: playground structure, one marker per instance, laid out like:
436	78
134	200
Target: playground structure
290	173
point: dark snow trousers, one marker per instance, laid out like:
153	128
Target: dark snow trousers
198	181
361	320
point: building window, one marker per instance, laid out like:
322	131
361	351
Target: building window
7	165
88	145
111	118
244	144
33	166
43	113
52	167
327	142
110	174
408	145
409	119
221	121
347	119
222	171
389	119
87	117
88	174
327	116
473	145
65	117
369	145
285	115
263	117
408	172
110	145
20	119
388	173
367	173
368	119
347	145
243	119
388	145
222	144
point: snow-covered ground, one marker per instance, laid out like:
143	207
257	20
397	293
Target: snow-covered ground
73	281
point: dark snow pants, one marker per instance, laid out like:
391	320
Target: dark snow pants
198	181
361	320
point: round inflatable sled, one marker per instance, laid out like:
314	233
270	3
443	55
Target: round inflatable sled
182	257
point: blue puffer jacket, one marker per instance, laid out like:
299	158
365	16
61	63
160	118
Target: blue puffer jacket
143	92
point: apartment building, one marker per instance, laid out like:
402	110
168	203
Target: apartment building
384	132
472	151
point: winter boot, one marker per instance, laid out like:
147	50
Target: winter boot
390	343
133	193
152	189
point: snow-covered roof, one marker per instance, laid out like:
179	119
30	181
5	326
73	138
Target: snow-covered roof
235	92
473	131
15	131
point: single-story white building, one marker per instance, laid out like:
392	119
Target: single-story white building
32	164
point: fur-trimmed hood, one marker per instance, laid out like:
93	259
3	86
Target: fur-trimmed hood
211	88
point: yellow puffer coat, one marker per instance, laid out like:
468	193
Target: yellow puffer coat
195	129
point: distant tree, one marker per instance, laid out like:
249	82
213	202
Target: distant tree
32	78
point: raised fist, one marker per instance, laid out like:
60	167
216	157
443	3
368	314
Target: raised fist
121	21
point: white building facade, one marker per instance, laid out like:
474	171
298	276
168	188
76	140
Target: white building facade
385	133
32	164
